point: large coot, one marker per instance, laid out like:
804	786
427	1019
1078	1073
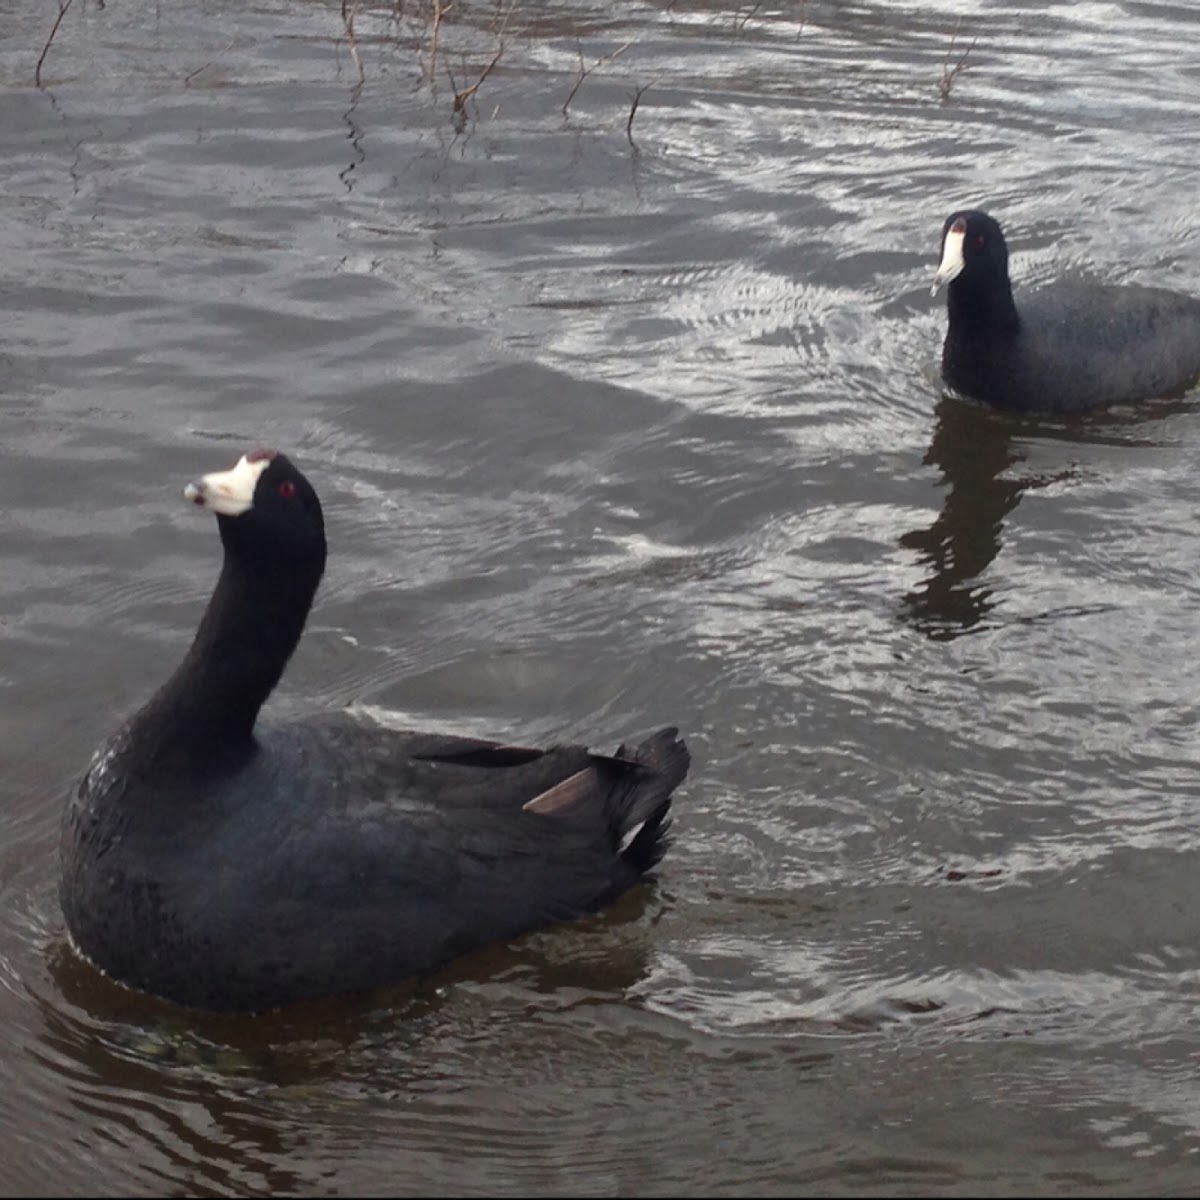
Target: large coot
228	864
1066	346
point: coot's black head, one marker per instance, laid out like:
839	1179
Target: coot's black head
973	252
268	513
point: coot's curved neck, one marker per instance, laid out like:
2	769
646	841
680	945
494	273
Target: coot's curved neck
984	303
204	714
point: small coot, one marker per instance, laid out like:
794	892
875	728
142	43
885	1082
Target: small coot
1065	347
230	864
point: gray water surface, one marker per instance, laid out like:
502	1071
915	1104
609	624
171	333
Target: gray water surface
618	424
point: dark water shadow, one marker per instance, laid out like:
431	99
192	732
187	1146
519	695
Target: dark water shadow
214	1104
980	452
208	1104
601	957
976	449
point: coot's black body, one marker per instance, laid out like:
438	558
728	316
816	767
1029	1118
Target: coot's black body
233	867
1064	347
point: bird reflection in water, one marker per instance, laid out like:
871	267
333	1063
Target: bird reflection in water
975	448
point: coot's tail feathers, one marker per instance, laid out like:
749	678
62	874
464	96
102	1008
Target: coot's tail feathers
631	792
643	818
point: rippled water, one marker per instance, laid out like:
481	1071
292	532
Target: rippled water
620	423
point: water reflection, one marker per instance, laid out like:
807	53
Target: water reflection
983	455
355	135
214	1102
974	448
147	1086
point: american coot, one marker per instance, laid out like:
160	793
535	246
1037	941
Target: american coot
230	866
1065	347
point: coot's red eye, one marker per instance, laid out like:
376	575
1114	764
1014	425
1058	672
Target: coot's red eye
287	489
979	241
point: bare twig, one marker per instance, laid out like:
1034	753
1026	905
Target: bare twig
63	5
461	98
740	25
349	11
187	79
637	99
503	25
508	12
949	74
585	71
439	11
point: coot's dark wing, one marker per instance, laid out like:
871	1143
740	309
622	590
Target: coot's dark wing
357	892
1088	346
372	763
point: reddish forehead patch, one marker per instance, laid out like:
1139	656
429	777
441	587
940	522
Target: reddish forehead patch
959	226
261	455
